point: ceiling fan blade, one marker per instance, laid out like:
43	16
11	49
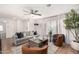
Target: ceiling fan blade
38	14
25	11
26	14
36	11
31	11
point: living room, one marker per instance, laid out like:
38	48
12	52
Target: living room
35	26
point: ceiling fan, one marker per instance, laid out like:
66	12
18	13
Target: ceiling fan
31	11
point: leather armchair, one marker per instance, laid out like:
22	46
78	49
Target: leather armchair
58	39
34	50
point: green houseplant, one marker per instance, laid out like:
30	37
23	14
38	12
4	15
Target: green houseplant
72	24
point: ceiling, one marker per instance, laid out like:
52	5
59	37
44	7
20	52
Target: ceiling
54	9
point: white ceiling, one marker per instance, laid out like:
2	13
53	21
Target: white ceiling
17	9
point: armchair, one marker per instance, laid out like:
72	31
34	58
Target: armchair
58	39
34	50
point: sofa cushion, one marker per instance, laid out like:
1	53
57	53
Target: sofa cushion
19	34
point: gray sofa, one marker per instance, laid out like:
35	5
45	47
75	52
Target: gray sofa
24	39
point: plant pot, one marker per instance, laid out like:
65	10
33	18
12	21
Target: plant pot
75	45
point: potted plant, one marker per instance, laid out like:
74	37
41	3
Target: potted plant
72	24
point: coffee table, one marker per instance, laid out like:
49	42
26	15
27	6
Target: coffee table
37	42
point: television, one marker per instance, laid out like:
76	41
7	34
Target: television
1	28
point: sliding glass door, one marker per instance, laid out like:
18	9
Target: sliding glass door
56	26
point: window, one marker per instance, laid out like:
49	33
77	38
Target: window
1	28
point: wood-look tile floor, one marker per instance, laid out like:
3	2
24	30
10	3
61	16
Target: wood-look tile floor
8	48
66	49
52	49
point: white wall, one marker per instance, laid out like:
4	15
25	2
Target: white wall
41	28
10	28
2	29
14	25
19	26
